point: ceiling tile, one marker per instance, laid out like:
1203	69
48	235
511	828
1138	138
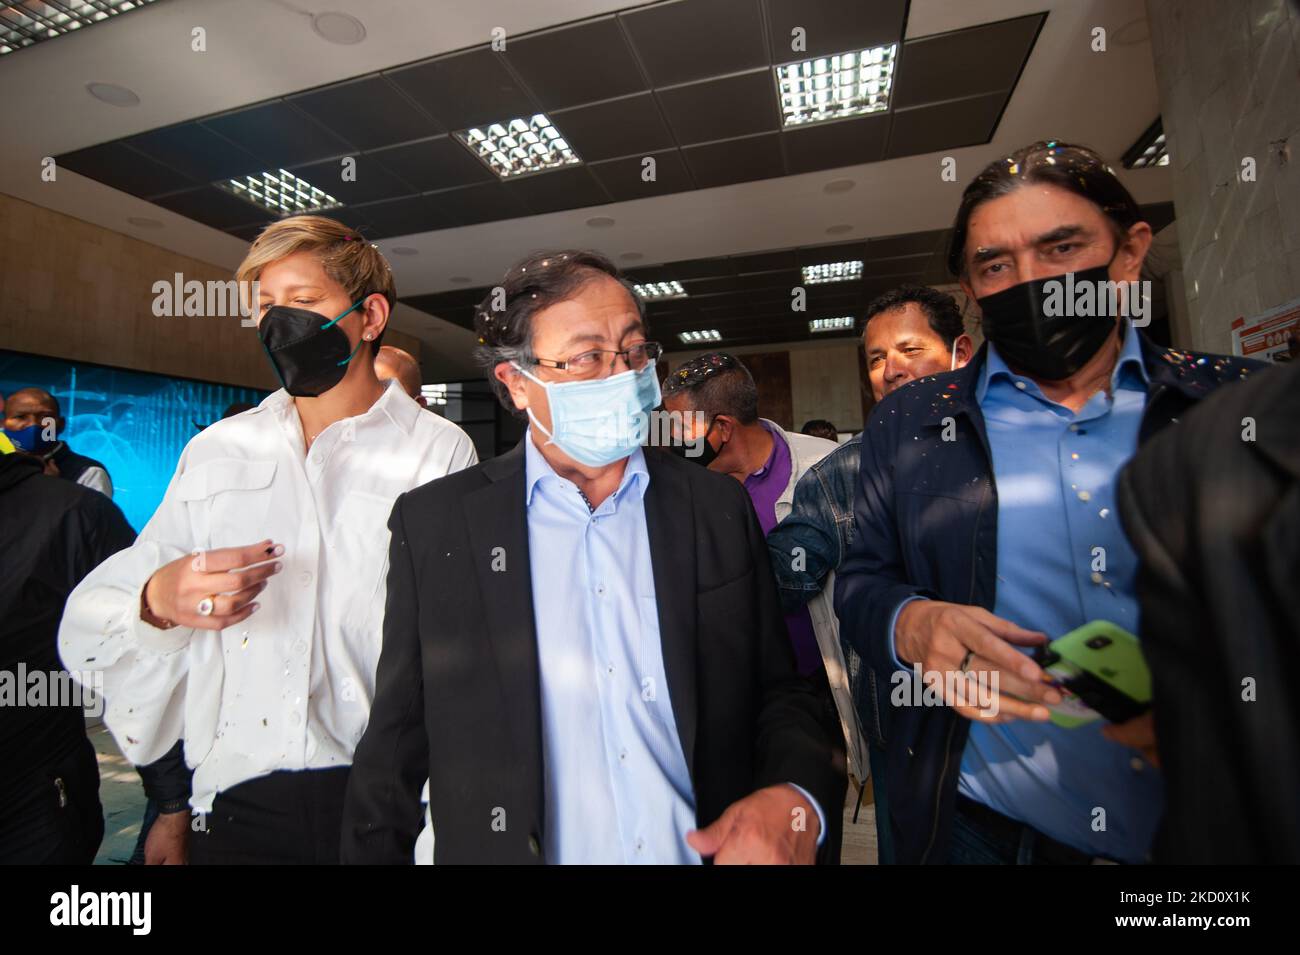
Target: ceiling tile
372	181
278	134
575	64
213	207
466	89
624	178
982	59
735	160
833	26
951	125
405	216
369	113
571	188
441	163
196	152
121	167
847	142
488	202
621	127
721	108
693	39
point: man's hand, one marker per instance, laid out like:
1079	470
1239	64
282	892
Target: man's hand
1138	733
938	635
168	842
774	826
231	576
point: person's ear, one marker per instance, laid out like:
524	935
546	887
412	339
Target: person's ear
964	349
509	376
1132	252
374	316
725	428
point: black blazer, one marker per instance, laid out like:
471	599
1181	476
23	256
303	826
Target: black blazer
457	695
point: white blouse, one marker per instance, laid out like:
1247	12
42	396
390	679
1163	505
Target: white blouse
291	686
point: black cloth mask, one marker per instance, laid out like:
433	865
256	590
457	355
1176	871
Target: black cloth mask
309	352
707	453
1049	346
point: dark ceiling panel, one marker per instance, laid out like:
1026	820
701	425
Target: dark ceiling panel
571	188
735	160
615	128
831	145
372	182
368	113
405	216
440	163
911	243
488	202
466	89
784	260
622	178
691	39
214	207
833	26
982	59
950	125
196	152
721	108
121	167
279	135
576	64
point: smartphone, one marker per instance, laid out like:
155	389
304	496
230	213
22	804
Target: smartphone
1100	672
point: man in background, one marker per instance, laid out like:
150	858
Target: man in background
393	362
33	422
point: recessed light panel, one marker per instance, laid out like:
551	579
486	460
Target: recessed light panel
519	147
700	337
281	193
1150	149
658	291
841	86
841	324
25	22
832	272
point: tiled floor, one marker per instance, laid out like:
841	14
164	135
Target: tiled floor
123	799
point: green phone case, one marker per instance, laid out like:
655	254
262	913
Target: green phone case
1119	664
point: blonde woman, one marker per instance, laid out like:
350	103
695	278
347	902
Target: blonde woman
247	618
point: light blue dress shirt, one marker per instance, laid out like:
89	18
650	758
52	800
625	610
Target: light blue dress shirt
1056	473
618	789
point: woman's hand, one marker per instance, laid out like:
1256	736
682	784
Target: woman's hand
230	576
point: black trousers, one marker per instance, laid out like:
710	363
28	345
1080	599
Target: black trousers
286	818
52	816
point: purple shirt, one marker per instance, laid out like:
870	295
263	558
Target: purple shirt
765	486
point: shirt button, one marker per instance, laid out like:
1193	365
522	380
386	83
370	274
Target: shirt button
300	646
640	845
1020	385
1084	496
622	756
1137	764
600	589
304	578
295	718
1096	577
1074	427
610	669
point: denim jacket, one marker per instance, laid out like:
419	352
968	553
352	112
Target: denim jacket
806	549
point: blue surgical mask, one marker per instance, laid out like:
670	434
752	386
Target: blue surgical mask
600	421
29	439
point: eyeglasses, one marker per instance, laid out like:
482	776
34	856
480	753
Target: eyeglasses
591	363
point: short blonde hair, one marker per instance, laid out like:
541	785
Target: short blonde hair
347	257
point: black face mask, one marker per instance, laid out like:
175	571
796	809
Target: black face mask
707	453
1048	346
309	351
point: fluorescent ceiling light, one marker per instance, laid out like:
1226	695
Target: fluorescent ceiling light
1150	149
841	324
25	22
841	86
434	394
695	338
657	291
832	272
519	147
280	192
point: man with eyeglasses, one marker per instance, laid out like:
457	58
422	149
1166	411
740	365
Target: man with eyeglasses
584	656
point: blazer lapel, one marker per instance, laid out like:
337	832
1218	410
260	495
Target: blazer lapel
670	524
497	518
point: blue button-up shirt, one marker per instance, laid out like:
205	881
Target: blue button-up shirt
618	789
1063	560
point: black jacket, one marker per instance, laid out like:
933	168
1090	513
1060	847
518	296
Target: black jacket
926	515
458	690
1214	513
52	533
